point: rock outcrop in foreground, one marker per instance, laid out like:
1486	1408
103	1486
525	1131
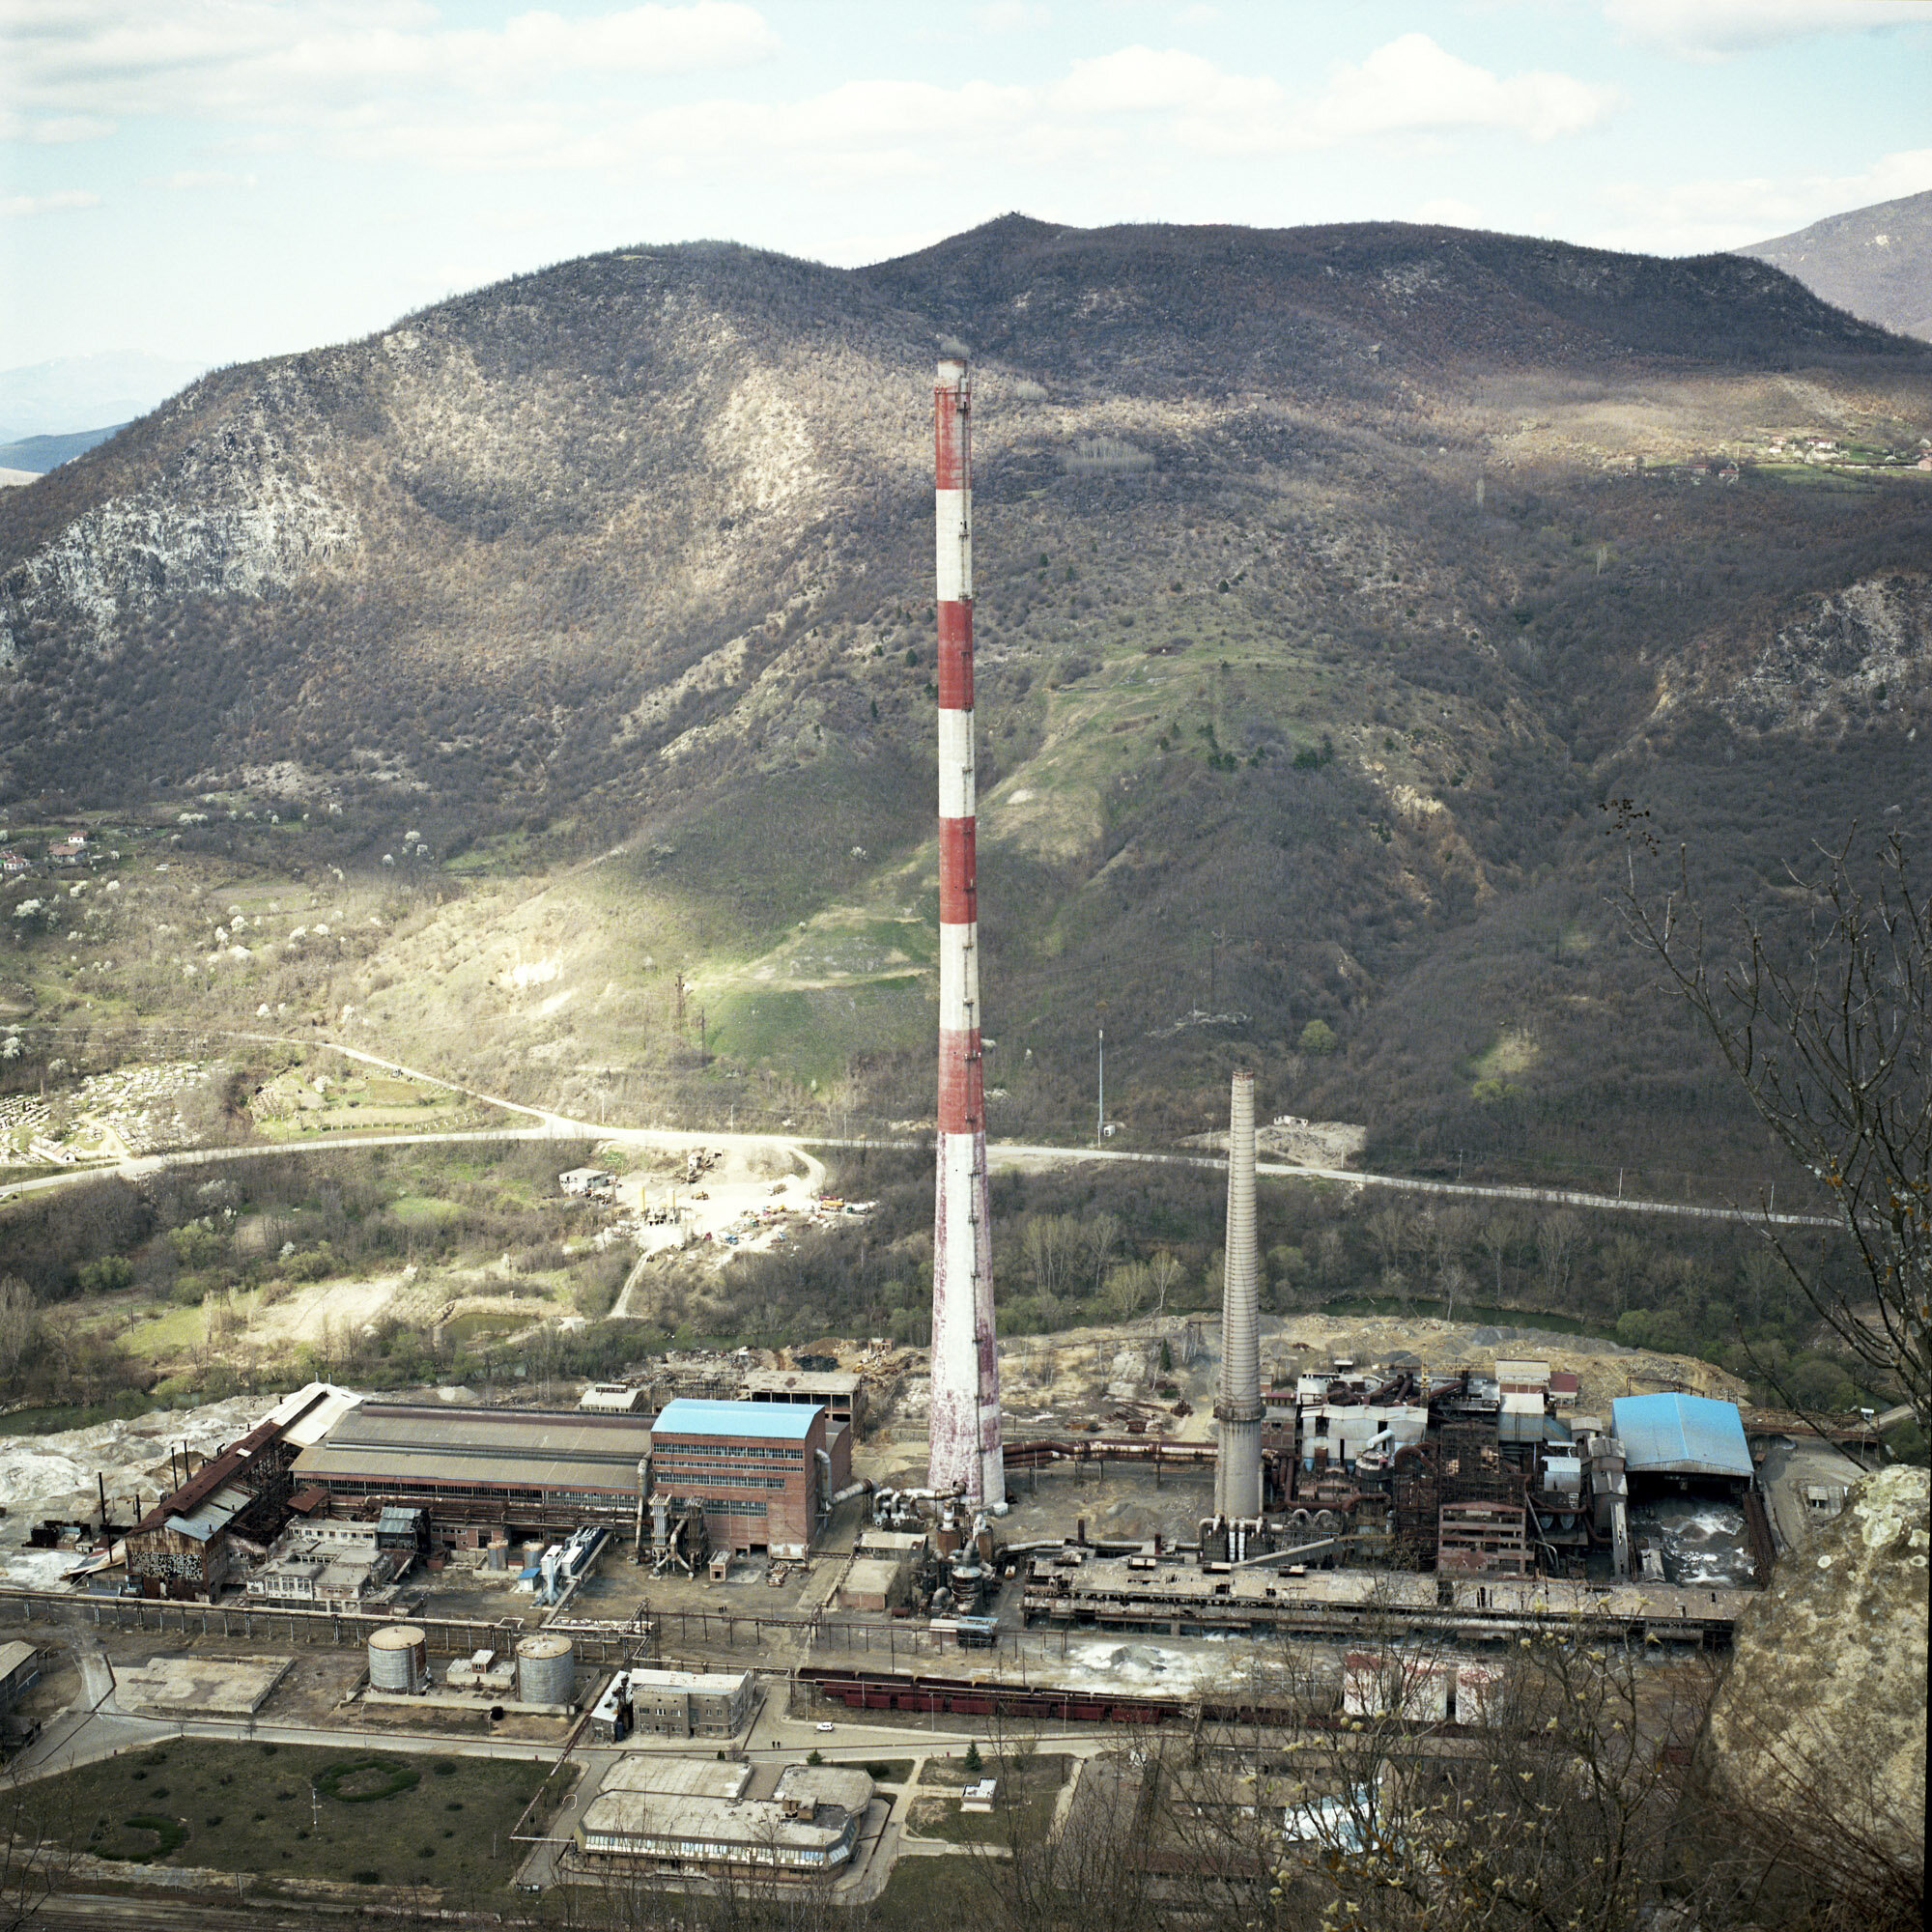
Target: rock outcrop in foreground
1819	1728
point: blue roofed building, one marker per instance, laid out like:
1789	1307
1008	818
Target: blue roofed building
1681	1435
762	1472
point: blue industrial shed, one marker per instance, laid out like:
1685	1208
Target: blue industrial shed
1681	1435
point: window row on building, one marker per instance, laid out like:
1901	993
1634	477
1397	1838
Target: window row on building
704	1479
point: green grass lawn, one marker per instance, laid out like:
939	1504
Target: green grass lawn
942	1818
424	1211
1030	1780
923	1892
400	1819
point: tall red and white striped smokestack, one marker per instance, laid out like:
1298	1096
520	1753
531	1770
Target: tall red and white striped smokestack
964	1434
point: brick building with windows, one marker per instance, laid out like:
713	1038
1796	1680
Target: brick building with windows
764	1472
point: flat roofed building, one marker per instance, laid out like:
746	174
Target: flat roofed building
1522	1377
612	1398
762	1471
679	1776
538	1467
19	1666
806	1827
839	1392
674	1704
1521	1416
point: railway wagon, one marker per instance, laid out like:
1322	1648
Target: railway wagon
860	1690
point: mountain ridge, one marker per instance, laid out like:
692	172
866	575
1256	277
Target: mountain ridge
1330	581
1874	262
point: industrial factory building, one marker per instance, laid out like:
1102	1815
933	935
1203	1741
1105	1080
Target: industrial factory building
839	1392
190	1544
762	1474
673	1704
541	1469
1682	1435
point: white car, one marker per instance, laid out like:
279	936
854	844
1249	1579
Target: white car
821	1727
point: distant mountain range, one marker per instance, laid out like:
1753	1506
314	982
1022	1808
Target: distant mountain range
58	397
1330	582
40	453
1874	263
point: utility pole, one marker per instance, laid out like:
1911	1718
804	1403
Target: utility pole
1100	1113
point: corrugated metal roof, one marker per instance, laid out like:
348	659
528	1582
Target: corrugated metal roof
308	1414
207	1523
775	1421
1681	1435
541	1449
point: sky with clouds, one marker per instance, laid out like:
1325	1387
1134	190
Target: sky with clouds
224	179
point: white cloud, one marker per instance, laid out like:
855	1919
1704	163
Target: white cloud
386	80
1705	217
191	180
1413	84
1141	79
1409	86
61	128
1713	29
47	204
1008	17
255	59
1446	212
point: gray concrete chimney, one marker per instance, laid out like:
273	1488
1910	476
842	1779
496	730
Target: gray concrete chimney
1237	1409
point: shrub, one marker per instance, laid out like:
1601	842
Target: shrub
395	1778
170	1831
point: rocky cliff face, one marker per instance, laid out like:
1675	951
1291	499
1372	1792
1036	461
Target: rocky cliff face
1858	653
1820	1726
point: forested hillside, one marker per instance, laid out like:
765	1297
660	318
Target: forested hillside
1330	581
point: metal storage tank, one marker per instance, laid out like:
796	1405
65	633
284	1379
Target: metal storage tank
399	1659
545	1670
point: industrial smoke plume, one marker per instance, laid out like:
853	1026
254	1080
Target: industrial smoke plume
965	1454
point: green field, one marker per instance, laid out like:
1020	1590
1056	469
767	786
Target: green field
287	1811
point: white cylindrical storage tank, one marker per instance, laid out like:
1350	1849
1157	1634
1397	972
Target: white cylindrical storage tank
399	1659
545	1670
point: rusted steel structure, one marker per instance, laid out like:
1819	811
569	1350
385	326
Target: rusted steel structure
185	1547
964	1429
1463	1464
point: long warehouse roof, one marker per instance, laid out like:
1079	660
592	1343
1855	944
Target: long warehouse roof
532	1449
1681	1435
